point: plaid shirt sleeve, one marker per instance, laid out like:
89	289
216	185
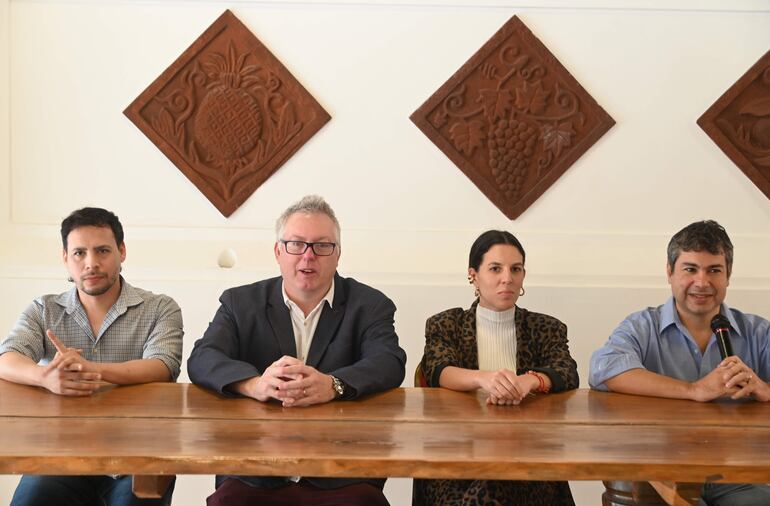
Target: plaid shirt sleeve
27	337
165	340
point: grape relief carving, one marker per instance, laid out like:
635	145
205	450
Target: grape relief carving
521	122
513	119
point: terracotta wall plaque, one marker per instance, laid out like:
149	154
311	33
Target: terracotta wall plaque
227	113
512	118
739	123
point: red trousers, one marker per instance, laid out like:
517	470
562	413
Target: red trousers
233	492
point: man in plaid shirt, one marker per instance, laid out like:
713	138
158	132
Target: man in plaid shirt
103	330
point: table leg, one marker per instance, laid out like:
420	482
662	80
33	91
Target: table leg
150	486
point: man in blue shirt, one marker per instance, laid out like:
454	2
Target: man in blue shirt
671	351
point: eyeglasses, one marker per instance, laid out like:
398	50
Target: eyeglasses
321	249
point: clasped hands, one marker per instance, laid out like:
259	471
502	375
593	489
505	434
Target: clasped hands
69	373
505	388
731	378
292	382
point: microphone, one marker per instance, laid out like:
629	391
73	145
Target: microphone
721	327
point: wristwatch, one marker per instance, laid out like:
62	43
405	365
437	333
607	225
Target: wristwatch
338	386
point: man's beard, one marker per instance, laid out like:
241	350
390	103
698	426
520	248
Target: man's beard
98	290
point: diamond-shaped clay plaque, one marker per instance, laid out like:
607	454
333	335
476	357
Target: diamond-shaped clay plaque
512	118
227	113
739	123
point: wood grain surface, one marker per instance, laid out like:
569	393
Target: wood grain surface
160	429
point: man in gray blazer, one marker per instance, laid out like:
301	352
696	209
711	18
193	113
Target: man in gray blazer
306	337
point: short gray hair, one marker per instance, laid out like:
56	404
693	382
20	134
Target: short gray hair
309	204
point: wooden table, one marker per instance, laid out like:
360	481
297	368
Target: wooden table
166	429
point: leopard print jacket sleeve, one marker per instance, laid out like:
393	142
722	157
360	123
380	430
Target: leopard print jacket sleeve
541	345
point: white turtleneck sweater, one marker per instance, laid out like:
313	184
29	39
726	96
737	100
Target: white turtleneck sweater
496	339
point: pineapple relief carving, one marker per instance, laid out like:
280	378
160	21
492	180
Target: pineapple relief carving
512	118
227	113
228	124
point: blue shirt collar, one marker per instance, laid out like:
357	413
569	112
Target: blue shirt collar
735	328
669	316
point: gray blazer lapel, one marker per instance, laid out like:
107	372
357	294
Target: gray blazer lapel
280	321
330	320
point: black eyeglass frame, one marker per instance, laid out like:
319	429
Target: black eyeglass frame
311	245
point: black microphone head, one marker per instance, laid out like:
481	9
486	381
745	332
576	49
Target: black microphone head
721	328
719	321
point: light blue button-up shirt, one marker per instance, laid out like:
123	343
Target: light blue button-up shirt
656	339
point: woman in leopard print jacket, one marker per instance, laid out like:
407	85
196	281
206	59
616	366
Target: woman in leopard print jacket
504	350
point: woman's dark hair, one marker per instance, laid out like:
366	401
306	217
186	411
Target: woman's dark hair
91	217
488	239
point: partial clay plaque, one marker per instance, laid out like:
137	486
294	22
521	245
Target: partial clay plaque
739	123
227	113
512	118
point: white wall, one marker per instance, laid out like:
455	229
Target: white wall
595	240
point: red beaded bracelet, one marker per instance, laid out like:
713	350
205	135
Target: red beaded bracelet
541	382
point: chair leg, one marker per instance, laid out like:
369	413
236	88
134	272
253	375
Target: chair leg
678	494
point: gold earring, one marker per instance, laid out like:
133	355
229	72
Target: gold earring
522	292
475	288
